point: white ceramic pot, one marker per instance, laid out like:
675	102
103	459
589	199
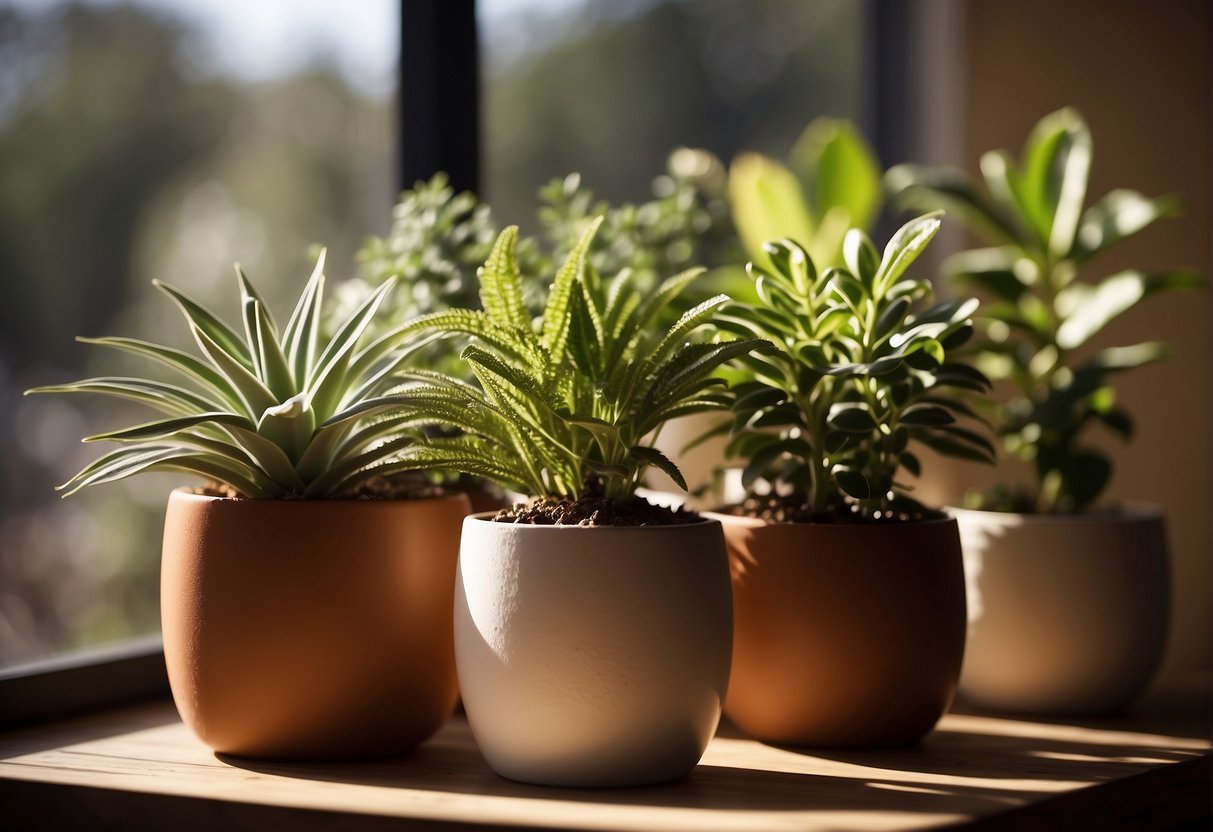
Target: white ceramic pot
592	656
1067	615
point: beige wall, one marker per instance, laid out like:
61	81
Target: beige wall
1140	73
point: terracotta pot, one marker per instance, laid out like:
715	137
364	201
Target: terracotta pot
310	629
1067	615
592	656
845	635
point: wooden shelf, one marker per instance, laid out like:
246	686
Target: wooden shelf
139	767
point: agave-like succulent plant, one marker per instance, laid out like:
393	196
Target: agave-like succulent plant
1037	331
275	413
569	406
858	376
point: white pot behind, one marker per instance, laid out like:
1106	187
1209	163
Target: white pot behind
1067	615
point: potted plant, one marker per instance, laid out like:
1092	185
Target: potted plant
1069	600
849	595
302	616
593	629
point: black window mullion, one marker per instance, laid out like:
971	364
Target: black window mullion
439	92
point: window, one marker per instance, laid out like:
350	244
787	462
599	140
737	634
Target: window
157	138
609	89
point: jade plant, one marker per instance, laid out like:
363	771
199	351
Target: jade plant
268	412
566	407
1037	334
861	372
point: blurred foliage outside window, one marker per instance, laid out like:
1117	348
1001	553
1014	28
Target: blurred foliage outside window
127	152
124	157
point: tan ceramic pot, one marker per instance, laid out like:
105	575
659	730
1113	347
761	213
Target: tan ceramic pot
845	635
1067	614
310	629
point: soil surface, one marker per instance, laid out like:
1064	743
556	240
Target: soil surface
407	485
594	510
793	509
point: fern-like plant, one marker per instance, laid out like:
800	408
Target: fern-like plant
1044	236
567	405
267	412
860	373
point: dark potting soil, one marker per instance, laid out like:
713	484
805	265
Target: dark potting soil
792	508
406	485
594	510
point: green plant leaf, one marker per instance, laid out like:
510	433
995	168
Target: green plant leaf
991	269
852	419
919	188
839	169
768	203
853	483
216	330
167	398
501	283
300	337
1086	309
654	457
556	313
1057	163
904	247
1120	214
926	416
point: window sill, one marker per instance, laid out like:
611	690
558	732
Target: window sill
130	767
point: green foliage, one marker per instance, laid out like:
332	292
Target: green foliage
1043	232
439	238
859	373
572	400
270	412
830	184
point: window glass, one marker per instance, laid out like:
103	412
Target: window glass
156	139
609	88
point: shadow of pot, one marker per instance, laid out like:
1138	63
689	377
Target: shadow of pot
1067	614
846	635
310	628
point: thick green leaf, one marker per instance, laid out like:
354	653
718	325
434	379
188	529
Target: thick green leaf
202	319
860	256
1086	309
839	169
853	483
167	398
1117	216
328	381
991	269
254	396
302	331
768	203
182	362
1057	163
852	419
162	428
926	416
919	188
904	247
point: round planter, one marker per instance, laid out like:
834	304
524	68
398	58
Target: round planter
592	656
1068	615
846	636
310	629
